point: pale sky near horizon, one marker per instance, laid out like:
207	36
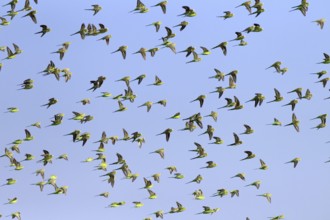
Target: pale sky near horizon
289	37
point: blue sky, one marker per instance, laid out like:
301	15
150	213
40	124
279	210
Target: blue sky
289	37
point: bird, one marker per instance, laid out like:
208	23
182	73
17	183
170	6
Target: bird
10	54
10	181
247	5
189	12
57	119
298	91
147	184
178	176
77	116
308	95
156	177
276	65
322	117
222	46
27	6
161	4
250	155
138	204
268	196
196	58
52	180
156	24
63	156
214	115
237	105
240	175
200	99
295	161
140	7
159	214
125	79
61	51
95	8
160	151
84	138
326	59
175	116
320	73
167	133
182	25
208	210
234	193
248	129
117	204
122	50
263	165
106	38
140	78
170	45
257	99
221	193
12	201
44	30
276	122
278	97
220	76
28	136
230	103
82	31
142	51
205	51
201	153
27	84
294	122
40	172
104	194
198	194
210	164
293	104
157	82
152	195
12	4
111	177
197	179
179	208
324	81
171	169
153	51
210	130
217	140
121	107
303	7
85	101
277	217
47	158
241	43
237	140
32	15
15	215
255	183
320	22
75	135
228	14
188	51
239	37
41	185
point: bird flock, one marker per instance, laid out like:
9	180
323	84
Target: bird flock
121	119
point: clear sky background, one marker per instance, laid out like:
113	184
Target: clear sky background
298	193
